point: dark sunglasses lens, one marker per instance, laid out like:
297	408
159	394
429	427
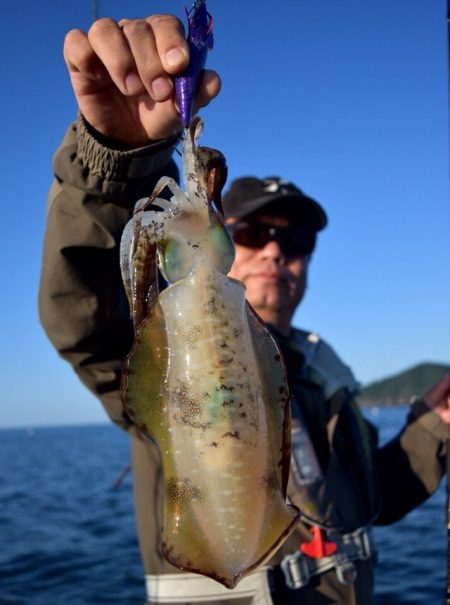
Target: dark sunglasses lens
297	242
251	235
293	241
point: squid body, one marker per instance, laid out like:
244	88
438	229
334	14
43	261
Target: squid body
205	379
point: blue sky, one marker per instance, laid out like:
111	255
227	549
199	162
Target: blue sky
347	98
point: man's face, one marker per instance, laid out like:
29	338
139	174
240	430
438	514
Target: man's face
275	282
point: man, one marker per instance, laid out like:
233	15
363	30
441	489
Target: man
121	144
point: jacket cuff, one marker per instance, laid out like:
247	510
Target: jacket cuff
429	420
115	165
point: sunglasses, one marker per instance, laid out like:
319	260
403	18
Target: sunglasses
294	241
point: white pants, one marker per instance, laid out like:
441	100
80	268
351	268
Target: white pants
190	587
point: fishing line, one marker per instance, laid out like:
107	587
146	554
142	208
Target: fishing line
95	11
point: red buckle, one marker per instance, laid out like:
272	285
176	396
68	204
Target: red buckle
318	547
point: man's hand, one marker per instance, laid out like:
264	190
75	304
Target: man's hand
122	76
438	398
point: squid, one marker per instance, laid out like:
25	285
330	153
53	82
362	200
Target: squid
204	378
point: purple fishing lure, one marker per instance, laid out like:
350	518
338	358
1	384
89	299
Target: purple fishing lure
200	40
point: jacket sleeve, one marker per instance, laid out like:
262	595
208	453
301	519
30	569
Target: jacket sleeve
407	470
412	464
82	304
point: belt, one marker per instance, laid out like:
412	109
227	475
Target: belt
299	568
190	587
296	569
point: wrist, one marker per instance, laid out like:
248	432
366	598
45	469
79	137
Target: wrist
119	142
112	161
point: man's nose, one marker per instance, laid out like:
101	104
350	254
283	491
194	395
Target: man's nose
273	250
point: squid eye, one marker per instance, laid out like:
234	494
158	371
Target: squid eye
222	245
174	260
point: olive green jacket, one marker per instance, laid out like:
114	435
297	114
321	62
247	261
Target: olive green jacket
84	311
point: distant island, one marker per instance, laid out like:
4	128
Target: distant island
401	387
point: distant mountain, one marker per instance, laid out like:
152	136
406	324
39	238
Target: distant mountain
401	387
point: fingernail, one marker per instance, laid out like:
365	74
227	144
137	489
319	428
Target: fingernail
175	56
161	88
133	83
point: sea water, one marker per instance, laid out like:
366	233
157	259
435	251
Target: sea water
67	528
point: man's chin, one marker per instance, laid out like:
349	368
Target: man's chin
270	307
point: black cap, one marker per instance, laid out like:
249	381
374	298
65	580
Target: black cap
250	194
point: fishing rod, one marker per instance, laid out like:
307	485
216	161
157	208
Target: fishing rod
447	598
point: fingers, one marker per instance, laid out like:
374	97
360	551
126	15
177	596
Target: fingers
170	43
111	47
137	55
122	75
80	56
209	87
